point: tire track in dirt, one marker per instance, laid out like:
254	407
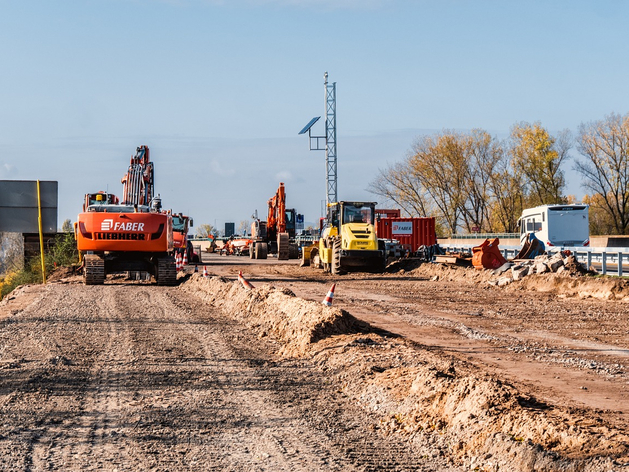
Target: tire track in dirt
139	377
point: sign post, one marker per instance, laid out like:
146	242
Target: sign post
41	235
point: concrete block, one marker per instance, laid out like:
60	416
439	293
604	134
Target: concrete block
519	272
555	263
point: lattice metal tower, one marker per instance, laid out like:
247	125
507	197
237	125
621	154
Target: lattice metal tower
329	139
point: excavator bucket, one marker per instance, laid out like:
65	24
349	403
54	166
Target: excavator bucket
531	248
487	255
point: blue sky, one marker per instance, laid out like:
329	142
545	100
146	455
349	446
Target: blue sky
219	89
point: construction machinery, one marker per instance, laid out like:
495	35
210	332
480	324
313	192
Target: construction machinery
181	225
134	235
277	233
348	240
99	198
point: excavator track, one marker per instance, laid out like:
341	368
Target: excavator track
94	271
282	246
166	273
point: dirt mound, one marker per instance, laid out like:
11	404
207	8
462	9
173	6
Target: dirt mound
572	280
439	404
481	421
295	322
62	275
605	288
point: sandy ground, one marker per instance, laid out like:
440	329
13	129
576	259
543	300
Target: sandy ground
424	367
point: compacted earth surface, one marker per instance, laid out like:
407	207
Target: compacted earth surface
424	367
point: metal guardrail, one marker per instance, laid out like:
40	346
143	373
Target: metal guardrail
616	257
485	236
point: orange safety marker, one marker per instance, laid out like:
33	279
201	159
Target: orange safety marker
205	271
185	259
178	264
328	298
245	282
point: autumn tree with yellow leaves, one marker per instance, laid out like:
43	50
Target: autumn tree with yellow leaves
538	157
474	182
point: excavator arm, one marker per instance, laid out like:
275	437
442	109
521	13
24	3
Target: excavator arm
139	183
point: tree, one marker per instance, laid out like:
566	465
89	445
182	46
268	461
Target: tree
538	156
398	184
484	156
605	169
507	190
205	231
66	227
243	227
440	163
601	221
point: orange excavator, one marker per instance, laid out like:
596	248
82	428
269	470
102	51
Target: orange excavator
277	233
132	235
181	225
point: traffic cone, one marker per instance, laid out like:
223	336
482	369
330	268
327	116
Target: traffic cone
178	262
196	269
205	271
185	259
245	282
328	298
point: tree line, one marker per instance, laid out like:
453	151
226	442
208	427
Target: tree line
474	182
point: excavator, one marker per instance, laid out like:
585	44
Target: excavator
277	233
348	240
132	235
181	225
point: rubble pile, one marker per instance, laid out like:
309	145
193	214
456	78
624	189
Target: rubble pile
559	263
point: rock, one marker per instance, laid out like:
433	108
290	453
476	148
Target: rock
503	281
520	271
541	268
555	262
503	268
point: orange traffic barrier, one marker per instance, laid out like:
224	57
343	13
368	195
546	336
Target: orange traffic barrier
328	298
245	282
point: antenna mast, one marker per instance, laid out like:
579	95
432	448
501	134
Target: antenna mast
330	139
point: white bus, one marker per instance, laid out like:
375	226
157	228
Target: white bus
557	225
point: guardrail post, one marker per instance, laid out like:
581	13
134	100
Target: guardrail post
603	263
619	264
589	260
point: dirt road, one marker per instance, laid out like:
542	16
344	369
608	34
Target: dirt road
140	377
449	374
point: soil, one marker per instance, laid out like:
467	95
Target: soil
424	367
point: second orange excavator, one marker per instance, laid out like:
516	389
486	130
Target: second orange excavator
277	233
